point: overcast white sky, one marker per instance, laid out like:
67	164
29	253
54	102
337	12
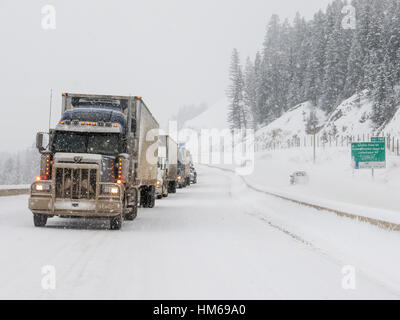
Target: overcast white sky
171	52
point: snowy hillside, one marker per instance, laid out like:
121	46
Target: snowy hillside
393	127
289	125
214	117
351	117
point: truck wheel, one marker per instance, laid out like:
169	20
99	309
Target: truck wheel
159	196
151	197
132	213
144	198
39	220
172	187
116	222
152	200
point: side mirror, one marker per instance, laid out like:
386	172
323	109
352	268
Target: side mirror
40	142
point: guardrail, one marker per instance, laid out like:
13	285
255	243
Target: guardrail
386	225
13	192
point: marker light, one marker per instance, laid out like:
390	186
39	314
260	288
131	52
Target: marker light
119	181
38	178
46	174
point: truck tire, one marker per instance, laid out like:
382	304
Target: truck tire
172	187
39	220
116	222
132	213
151	198
159	196
144	198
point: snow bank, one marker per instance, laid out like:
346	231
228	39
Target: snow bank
333	183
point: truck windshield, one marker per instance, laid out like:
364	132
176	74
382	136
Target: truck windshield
95	143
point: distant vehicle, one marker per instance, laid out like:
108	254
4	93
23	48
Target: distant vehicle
161	184
184	163
180	179
299	177
168	162
193	175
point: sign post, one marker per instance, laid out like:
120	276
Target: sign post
369	155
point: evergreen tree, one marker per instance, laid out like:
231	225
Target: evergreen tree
250	92
237	116
355	71
321	62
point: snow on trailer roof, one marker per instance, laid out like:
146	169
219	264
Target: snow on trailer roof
95	115
75	100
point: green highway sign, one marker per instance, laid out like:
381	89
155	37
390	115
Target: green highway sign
378	139
368	155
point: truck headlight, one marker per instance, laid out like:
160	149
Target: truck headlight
179	178
158	184
114	190
39	187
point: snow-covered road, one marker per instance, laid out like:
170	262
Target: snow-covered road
214	240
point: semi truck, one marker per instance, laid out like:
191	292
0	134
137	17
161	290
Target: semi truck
100	160
184	160
169	161
167	166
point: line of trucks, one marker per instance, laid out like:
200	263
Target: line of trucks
105	159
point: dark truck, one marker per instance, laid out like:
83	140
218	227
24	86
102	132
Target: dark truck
100	162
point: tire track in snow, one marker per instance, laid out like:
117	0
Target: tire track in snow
386	225
395	290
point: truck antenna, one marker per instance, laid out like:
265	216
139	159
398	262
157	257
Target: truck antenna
51	100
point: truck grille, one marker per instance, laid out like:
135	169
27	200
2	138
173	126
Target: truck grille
76	183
